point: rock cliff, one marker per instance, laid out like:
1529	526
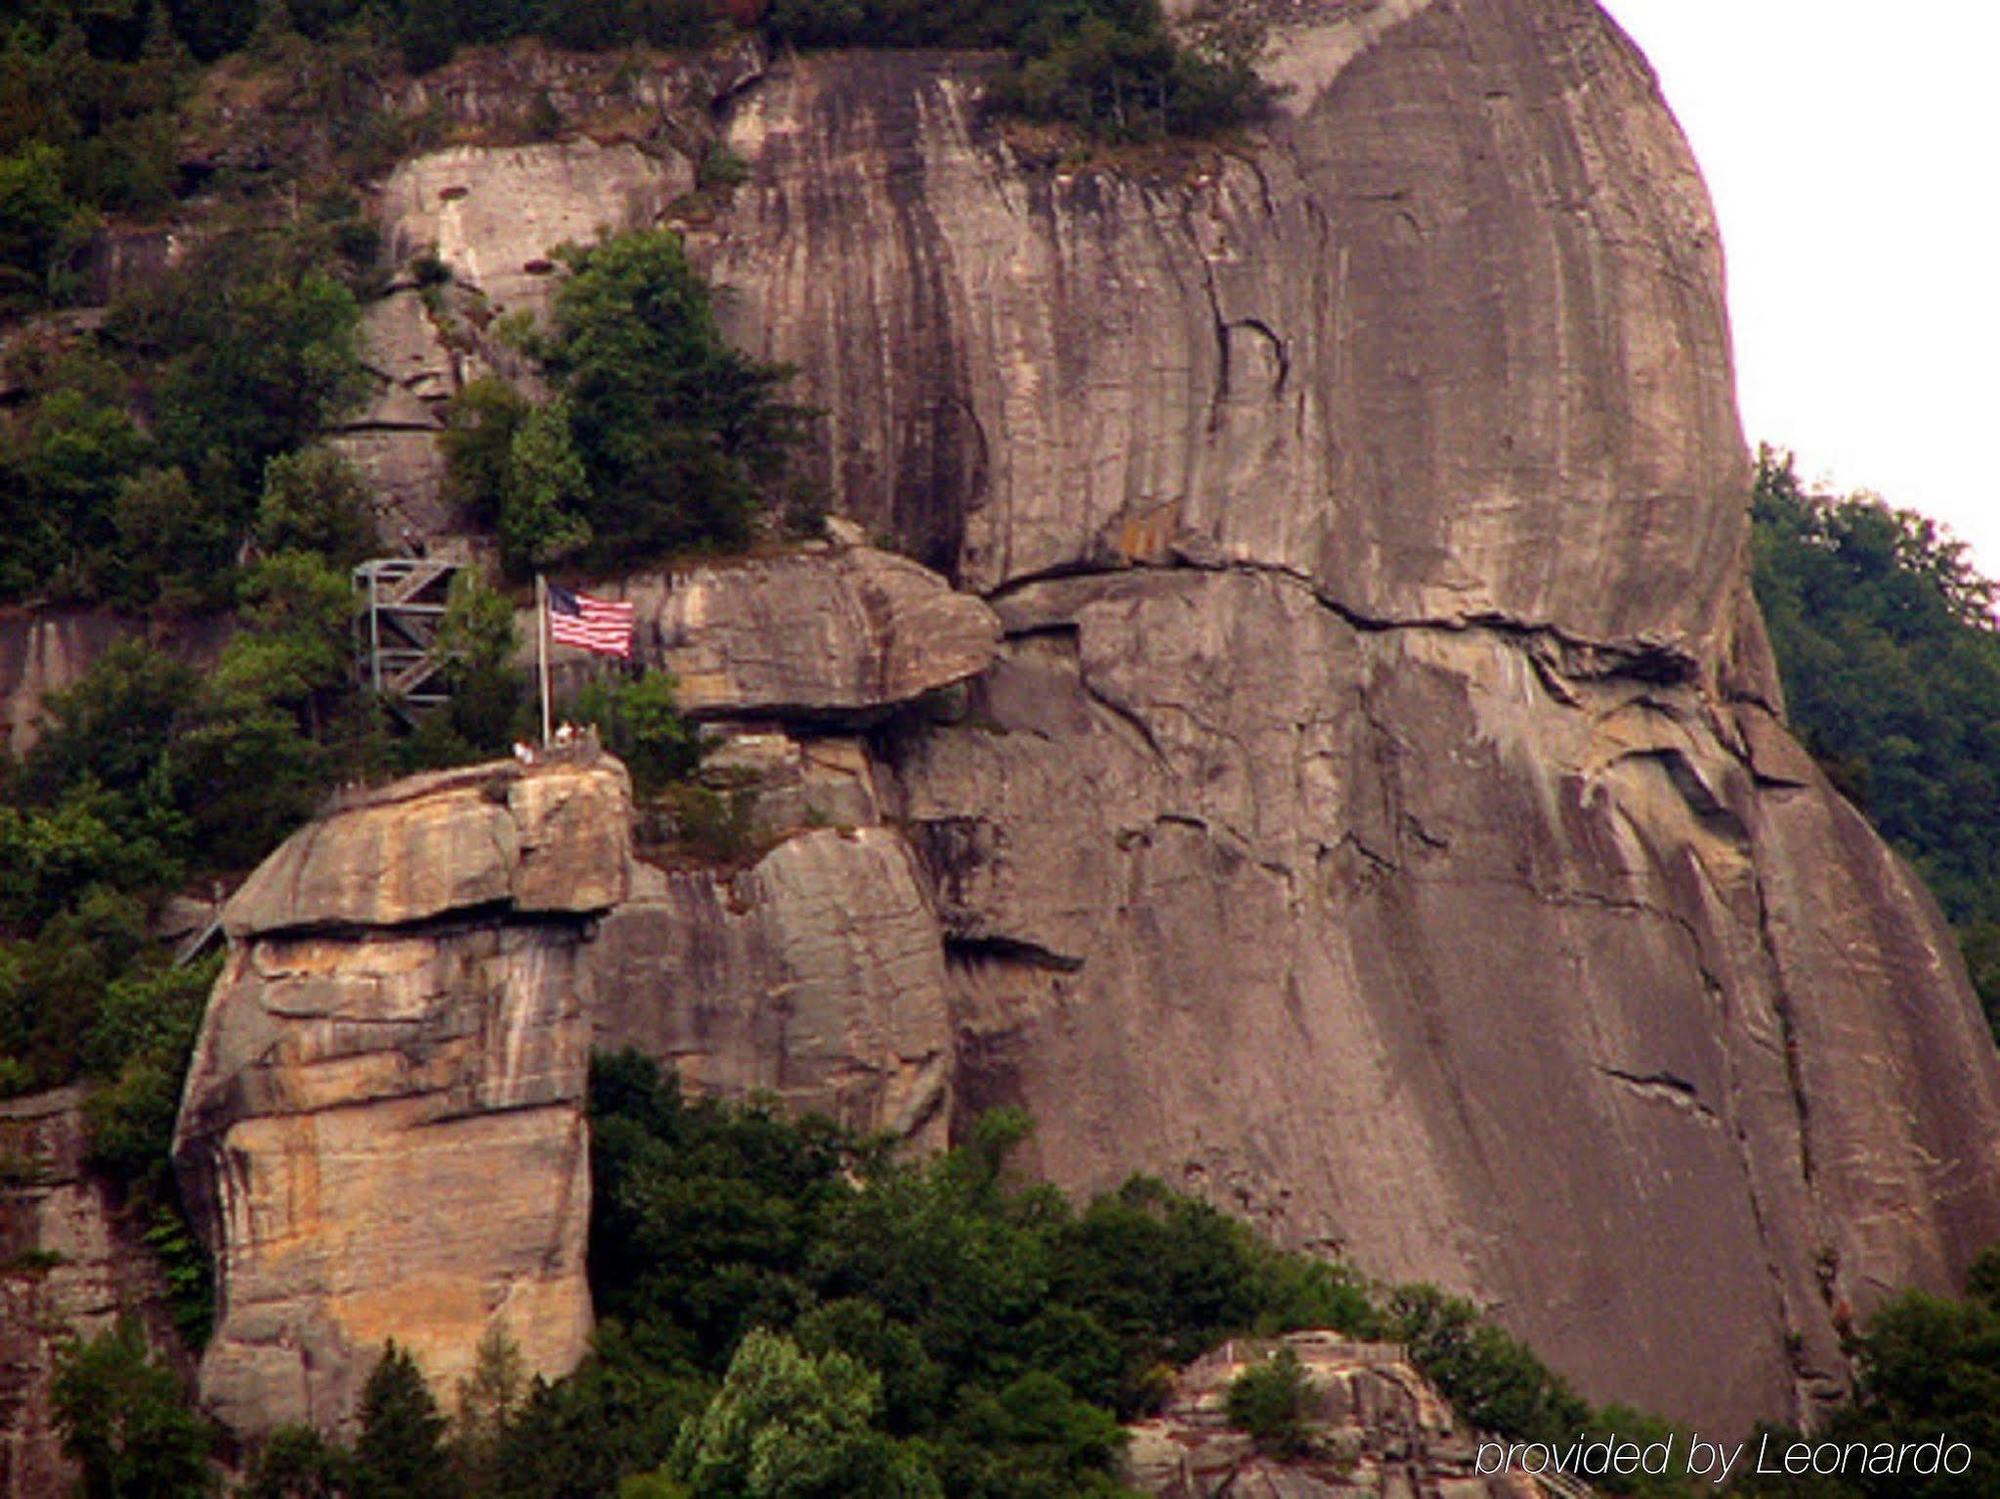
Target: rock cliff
71	1263
383	1131
1378	818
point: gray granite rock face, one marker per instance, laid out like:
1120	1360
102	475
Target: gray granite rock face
1448	340
1434	946
816	976
496	215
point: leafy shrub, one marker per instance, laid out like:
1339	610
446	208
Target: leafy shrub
315	500
1270	1400
41	227
126	1424
1929	1364
1493	1379
1114	68
480	426
680	436
638	721
788	1425
478	637
545	498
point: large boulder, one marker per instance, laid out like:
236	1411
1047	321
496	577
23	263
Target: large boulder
827	636
1371	1424
383	1131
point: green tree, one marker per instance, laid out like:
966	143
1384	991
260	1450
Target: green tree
1271	1400
1930	1365
79	448
1887	642
400	1453
296	1462
175	549
1033	1438
787	1425
487	1401
127	1425
1491	1377
316	500
679	434
640	722
478	637
41	227
259	361
251	759
480	427
546	496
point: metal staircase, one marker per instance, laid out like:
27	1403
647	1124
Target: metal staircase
400	603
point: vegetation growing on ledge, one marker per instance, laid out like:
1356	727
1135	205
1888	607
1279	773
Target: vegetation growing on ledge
102	101
1890	651
1114	68
660	436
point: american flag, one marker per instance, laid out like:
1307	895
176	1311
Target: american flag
594	624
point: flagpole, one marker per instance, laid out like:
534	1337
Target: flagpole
542	649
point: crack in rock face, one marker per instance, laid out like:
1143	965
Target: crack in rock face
1352	921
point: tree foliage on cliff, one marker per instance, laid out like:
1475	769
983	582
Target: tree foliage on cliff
1114	68
1887	642
144	461
94	96
660	436
126	1424
1927	1367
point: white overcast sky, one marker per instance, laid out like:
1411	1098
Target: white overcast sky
1853	152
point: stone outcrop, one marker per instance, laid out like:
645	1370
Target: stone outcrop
816	976
71	1264
43	652
383	1134
821	636
383	1131
496	215
393	438
1374	1423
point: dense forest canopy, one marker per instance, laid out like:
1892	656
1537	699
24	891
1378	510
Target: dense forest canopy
1890	651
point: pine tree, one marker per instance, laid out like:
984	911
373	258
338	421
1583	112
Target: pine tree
400	1454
